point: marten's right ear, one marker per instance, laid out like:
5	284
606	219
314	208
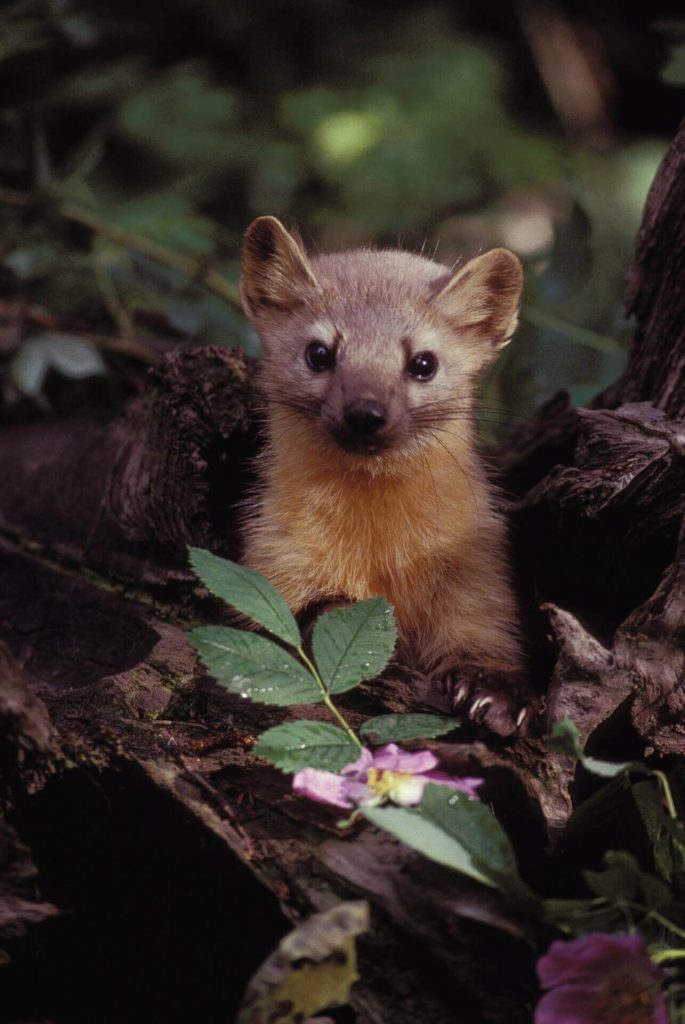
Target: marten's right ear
484	295
276	273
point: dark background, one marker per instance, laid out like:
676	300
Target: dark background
449	126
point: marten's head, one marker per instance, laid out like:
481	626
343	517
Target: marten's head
377	351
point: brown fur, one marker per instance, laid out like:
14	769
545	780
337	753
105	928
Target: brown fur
416	520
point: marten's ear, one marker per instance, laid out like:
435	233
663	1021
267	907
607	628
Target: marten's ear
483	296
276	271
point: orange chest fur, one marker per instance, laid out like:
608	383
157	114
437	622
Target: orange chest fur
358	535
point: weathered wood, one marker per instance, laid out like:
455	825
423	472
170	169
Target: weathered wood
18	908
126	498
29	742
123	691
655	294
100	681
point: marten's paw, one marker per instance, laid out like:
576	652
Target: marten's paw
500	701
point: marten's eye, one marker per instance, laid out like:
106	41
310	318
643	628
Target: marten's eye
423	366
319	357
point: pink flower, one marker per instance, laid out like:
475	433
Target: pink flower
600	979
388	774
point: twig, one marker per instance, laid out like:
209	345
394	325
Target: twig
573	67
582	335
110	296
196	270
193	269
14	311
11	197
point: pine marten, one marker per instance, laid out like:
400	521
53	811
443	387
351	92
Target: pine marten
370	480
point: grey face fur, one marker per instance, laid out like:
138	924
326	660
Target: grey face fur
373	313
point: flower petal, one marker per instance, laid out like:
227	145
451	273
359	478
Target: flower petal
324	787
407	790
392	758
588	958
361	765
467	784
600	979
660	1010
570	1004
360	794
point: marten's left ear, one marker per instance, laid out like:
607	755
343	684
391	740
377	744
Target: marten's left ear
483	296
275	270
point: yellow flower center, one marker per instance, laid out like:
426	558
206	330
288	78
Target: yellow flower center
384	784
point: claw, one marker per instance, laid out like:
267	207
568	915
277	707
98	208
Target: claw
479	704
521	717
461	693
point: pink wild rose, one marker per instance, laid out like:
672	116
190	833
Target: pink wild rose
374	778
600	979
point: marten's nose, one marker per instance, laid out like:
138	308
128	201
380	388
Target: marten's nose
365	417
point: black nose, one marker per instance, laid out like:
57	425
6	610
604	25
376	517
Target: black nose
365	417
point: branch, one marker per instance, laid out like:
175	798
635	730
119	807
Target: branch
196	270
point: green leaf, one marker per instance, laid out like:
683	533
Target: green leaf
305	744
622	879
185	117
564	739
609	804
24	35
354	643
674	72
674	834
462	833
395	728
248	592
254	667
421	834
474	825
164	217
667	837
647	797
609	769
313	968
33	261
580	915
66	353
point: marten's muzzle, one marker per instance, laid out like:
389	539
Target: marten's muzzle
364	427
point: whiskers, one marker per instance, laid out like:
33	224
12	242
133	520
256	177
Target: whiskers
426	466
476	417
461	469
439	412
282	397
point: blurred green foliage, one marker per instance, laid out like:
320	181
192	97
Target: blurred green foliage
137	141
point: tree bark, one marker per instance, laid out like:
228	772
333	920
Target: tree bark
111	729
655	294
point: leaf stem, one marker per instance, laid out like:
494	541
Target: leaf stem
12	197
673	928
668	954
327	699
582	335
196	270
656	916
668	795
